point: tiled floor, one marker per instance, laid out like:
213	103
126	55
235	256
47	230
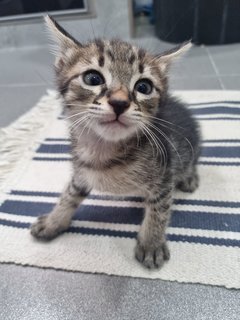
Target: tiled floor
32	294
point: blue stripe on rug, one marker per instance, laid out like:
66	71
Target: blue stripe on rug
211	203
204	240
219	163
221	152
54	148
218	151
35	193
57	139
218	118
125	215
216	110
51	159
214	103
132	235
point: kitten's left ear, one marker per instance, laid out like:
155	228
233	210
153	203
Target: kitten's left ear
61	36
166	58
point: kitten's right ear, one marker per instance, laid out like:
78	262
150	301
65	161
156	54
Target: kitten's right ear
166	58
64	40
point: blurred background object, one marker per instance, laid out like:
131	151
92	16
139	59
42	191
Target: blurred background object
174	21
203	21
23	9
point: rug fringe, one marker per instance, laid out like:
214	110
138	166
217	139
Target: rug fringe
19	137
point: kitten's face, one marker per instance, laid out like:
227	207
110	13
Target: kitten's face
114	87
109	87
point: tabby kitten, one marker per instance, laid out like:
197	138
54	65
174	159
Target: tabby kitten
127	135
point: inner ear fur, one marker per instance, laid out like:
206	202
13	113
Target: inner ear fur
167	57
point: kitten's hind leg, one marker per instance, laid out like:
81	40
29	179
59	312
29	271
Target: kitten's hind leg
49	226
189	181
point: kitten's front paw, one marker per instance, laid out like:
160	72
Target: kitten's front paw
152	258
44	229
189	184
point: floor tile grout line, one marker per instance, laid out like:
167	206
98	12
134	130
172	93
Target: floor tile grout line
215	68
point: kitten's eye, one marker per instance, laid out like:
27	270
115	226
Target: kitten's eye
144	86
93	78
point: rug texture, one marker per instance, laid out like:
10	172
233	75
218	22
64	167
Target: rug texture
204	233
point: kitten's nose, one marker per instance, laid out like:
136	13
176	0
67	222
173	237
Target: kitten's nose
119	101
119	106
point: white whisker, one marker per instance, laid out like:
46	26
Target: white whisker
165	126
168	140
84	127
76	123
156	141
142	128
76	115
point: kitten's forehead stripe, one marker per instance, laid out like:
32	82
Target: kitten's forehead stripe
141	56
132	58
122	51
140	68
101	61
111	55
100	46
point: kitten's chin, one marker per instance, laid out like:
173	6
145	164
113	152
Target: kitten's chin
114	131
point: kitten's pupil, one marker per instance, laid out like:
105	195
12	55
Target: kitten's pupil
93	78
144	86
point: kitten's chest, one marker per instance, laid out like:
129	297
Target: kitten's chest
117	180
111	178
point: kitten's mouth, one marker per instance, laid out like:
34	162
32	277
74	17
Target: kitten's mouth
113	123
114	128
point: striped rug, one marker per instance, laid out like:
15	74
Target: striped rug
204	233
